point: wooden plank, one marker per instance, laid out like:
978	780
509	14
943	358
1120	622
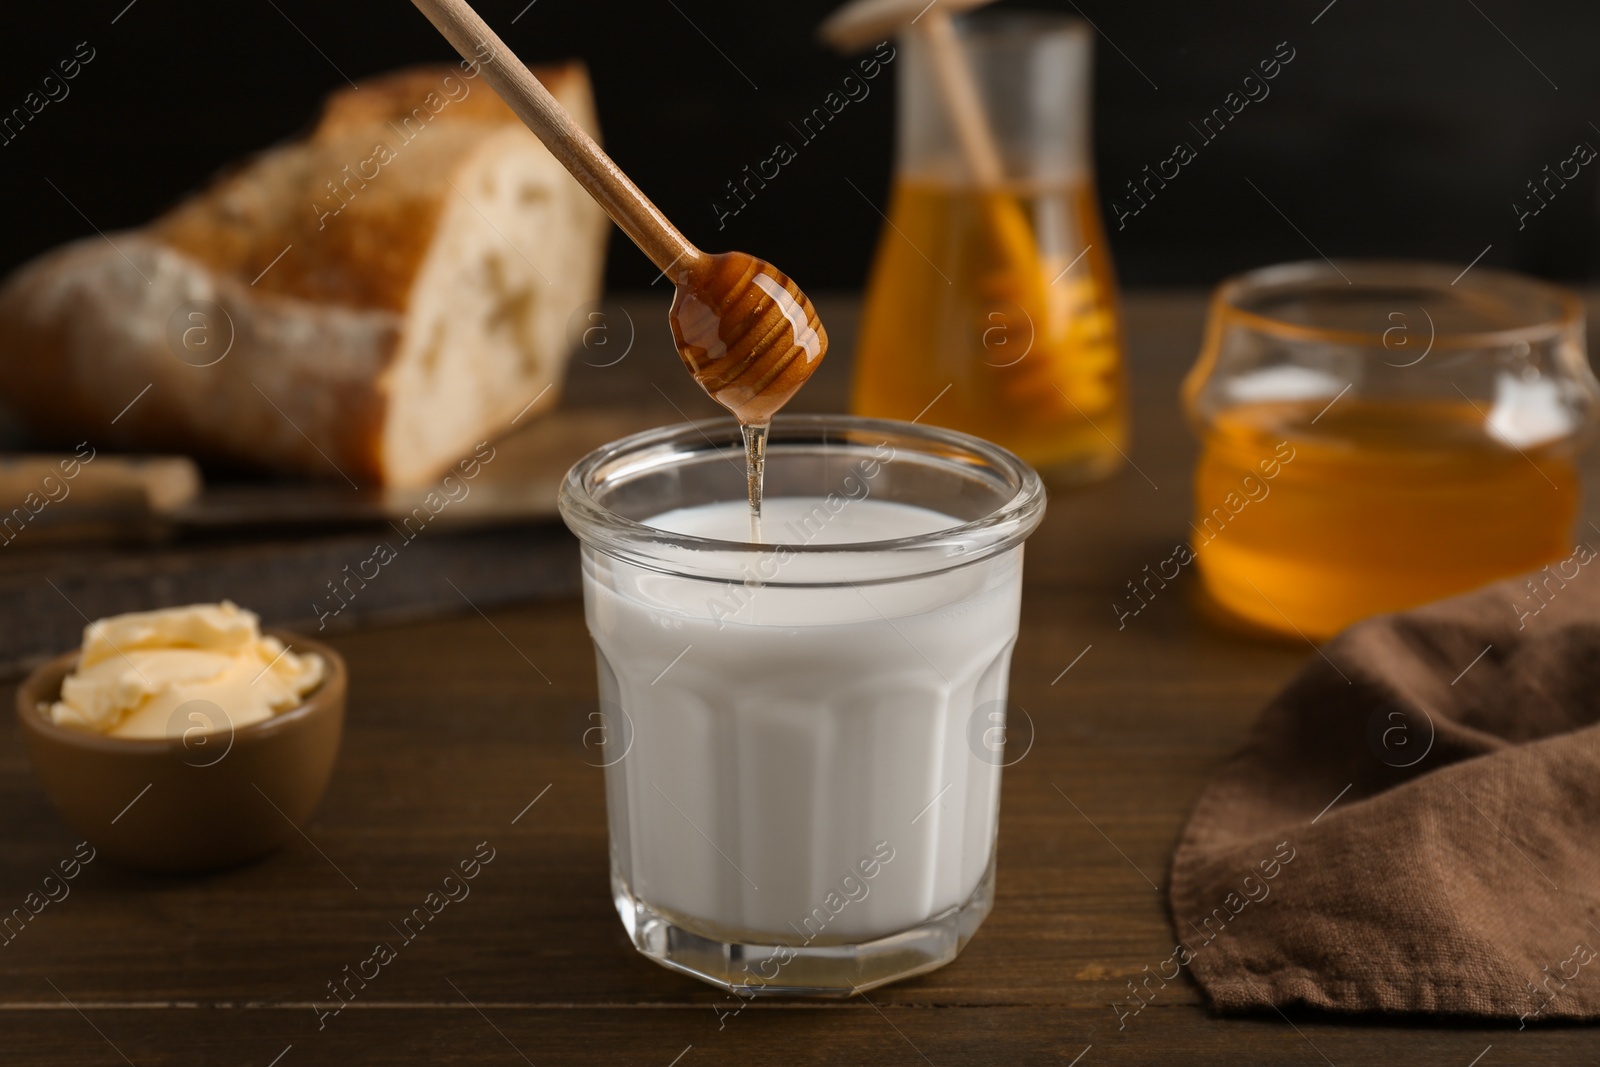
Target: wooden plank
456	724
429	771
490	1033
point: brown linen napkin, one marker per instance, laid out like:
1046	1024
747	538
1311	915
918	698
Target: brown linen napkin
1414	823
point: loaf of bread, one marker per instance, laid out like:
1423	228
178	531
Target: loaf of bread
368	303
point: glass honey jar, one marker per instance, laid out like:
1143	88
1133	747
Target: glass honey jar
1376	435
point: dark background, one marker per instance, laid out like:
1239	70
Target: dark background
1399	129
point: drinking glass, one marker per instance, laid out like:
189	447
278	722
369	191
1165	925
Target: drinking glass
802	787
991	304
1380	434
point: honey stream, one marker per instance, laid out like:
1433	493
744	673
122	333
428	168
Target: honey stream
751	339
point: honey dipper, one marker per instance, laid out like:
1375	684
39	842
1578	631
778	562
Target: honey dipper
746	332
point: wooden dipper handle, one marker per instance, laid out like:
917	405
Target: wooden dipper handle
962	99
613	190
746	332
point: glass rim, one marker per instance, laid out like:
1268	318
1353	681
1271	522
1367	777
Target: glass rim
1225	304
963	542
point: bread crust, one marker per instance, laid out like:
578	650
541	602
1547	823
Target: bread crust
309	284
87	344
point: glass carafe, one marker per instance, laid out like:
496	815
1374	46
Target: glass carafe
991	307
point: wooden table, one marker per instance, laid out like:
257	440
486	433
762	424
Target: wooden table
457	726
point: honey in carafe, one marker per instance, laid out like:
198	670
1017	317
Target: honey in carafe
1020	347
1310	516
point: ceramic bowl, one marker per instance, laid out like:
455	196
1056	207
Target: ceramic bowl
195	801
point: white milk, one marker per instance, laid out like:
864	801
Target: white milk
785	738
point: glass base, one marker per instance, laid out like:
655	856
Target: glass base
751	969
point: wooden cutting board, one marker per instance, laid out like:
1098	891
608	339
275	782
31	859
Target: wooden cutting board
296	553
518	483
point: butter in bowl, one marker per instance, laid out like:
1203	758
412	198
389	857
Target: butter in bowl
185	739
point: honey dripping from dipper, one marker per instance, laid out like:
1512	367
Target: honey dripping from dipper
751	338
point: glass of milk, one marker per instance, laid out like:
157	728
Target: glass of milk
801	721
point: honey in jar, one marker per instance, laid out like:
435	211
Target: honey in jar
1377	506
991	303
1377	435
1025	350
